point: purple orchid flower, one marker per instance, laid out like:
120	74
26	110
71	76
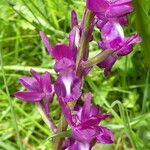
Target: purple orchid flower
59	51
68	85
110	10
113	39
85	123
40	89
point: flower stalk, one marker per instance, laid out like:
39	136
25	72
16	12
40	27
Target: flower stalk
46	118
58	141
84	41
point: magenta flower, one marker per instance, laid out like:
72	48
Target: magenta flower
59	51
68	85
85	123
113	39
64	55
109	8
40	89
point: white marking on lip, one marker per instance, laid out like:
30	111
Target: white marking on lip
67	82
119	29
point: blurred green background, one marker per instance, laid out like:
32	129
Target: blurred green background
126	92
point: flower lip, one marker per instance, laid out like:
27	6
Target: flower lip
68	85
67	82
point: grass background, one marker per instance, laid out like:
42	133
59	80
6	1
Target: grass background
126	92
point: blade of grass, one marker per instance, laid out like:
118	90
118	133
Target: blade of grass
36	7
13	113
7	39
135	141
28	68
34	24
7	146
146	91
30	9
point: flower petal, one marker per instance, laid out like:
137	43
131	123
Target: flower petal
105	136
86	107
119	10
63	64
71	144
74	19
84	134
29	96
127	45
66	111
36	75
46	42
97	5
46	83
74	39
30	83
107	64
61	50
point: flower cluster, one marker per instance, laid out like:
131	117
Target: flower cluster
84	119
110	15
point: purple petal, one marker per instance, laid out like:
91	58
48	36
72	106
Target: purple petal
47	102
63	64
86	107
128	44
46	42
74	19
112	31
100	23
74	39
68	86
46	83
61	50
112	36
36	75
66	111
134	39
108	64
119	10
29	96
123	20
30	83
105	136
84	134
71	144
97	5
95	110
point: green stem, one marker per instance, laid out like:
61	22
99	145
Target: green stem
58	141
84	41
46	118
